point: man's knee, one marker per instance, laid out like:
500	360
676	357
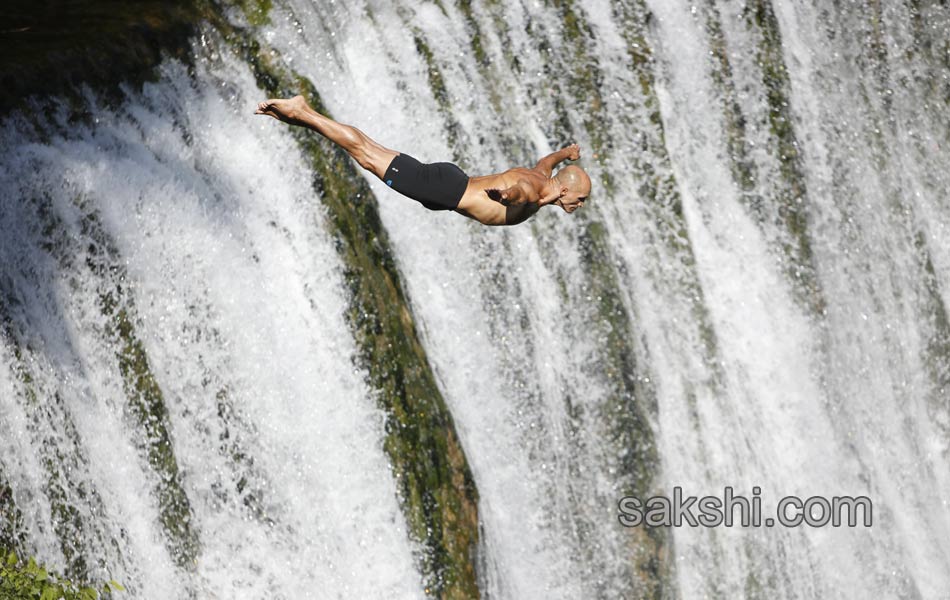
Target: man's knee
361	156
366	152
360	148
374	158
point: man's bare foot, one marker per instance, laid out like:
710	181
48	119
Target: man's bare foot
289	110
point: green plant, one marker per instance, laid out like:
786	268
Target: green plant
28	580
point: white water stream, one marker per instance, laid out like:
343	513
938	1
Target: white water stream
238	288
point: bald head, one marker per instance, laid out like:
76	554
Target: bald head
574	179
577	183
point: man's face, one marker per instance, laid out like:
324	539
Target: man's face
571	201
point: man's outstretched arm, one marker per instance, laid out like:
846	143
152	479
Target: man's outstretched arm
547	164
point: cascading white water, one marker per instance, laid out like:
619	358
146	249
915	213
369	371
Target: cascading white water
841	402
509	353
240	308
816	371
796	388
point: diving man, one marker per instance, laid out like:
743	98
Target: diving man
506	198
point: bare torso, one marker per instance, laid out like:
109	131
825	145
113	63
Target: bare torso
476	204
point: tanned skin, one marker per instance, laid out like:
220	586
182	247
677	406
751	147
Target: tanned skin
506	198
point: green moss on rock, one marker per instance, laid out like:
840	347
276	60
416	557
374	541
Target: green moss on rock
11	519
145	401
49	47
60	453
936	317
12	534
630	406
436	488
478	50
257	12
437	84
787	203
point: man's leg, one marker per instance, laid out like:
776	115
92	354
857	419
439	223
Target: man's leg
370	155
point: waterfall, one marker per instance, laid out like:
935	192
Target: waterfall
755	296
235	296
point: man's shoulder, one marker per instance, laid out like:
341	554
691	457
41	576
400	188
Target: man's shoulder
508	178
530	171
533	176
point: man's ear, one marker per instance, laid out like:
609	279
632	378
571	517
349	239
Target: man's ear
563	191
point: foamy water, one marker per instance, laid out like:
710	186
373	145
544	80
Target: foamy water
807	360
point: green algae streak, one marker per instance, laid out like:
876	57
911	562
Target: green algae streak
436	487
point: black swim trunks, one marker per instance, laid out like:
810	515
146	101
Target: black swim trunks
437	186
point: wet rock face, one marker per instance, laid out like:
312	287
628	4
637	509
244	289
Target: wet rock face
49	47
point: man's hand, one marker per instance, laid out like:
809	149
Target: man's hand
547	164
498	195
518	194
508	197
